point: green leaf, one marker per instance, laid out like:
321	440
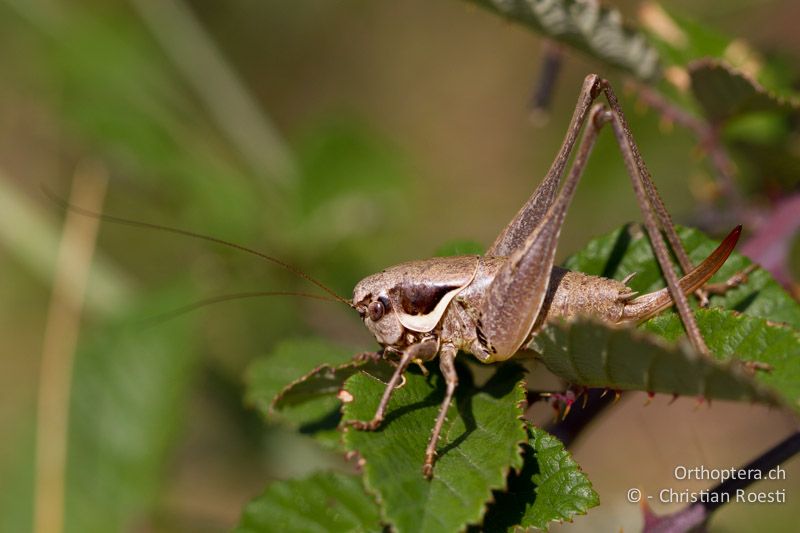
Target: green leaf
627	250
291	359
587	26
349	174
326	380
323	502
589	354
730	335
760	123
681	40
128	398
593	355
460	247
550	487
129	393
479	445
724	92
678	39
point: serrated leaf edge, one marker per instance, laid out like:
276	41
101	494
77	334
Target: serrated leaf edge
732	363
715	63
521	385
577	467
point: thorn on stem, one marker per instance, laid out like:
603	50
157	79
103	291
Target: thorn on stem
650	396
674	398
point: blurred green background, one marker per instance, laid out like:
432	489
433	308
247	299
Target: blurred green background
341	137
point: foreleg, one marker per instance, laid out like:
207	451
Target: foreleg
423	350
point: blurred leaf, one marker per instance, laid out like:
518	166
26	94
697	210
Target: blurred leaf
150	129
344	157
764	128
678	39
349	187
772	165
462	247
479	445
760	125
31	236
683	41
322	502
588	26
550	487
724	92
129	396
290	360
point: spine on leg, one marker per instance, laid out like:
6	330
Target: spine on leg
648	305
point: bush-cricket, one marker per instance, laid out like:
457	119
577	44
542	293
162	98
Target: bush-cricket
490	306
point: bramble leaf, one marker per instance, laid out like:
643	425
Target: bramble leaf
478	447
550	487
731	336
562	489
291	360
627	250
724	92
682	41
735	86
587	26
594	355
325	501
326	380
760	123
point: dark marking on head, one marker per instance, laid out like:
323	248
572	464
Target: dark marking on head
420	298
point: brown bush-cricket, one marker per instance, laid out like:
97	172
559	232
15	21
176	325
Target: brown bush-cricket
492	305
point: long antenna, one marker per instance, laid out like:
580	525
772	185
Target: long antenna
135	223
234	296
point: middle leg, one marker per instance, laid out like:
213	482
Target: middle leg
446	363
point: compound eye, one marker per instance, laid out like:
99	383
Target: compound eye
375	311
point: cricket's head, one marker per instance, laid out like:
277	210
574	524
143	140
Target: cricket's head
372	299
408	301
